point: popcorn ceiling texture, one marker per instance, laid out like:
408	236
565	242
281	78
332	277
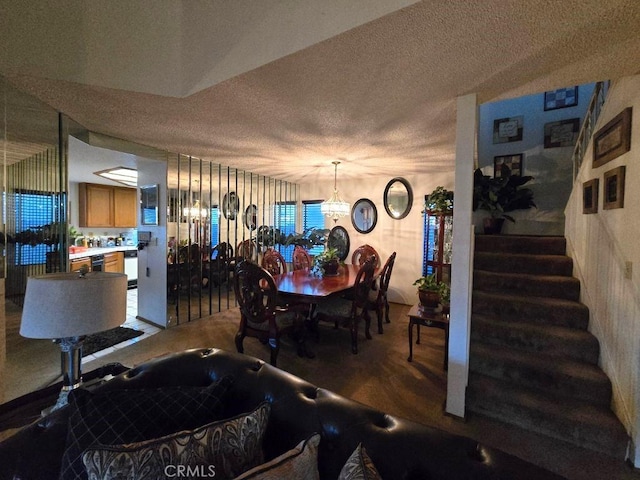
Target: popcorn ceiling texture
380	97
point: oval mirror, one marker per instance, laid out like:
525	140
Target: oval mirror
339	239
230	205
398	198
251	217
364	215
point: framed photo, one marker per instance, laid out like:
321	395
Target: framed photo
149	205
561	98
613	139
590	196
562	133
512	162
508	129
613	189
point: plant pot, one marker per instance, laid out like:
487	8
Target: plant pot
429	298
492	226
331	268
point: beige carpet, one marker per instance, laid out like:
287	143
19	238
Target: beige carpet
379	376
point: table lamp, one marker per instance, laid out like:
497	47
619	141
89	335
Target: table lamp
67	307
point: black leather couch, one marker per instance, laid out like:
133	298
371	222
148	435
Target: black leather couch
400	449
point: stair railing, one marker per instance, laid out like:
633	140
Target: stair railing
588	124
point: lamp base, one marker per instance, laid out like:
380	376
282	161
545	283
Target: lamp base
71	363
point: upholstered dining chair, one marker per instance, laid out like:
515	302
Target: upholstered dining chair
273	262
246	250
377	300
301	258
339	309
260	315
362	254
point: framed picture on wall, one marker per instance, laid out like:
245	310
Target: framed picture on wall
613	139
504	165
508	129
613	189
561	98
562	133
590	196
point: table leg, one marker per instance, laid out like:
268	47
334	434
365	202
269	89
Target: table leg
410	341
418	332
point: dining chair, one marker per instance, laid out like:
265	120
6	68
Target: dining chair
273	262
260	315
350	311
362	253
246	250
377	299
301	258
220	263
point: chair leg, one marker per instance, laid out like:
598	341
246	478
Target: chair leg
354	335
379	315
239	340
386	308
274	346
367	324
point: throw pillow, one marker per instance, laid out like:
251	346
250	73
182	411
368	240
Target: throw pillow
221	449
301	463
124	416
359	467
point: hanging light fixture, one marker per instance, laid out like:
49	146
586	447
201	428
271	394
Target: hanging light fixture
335	207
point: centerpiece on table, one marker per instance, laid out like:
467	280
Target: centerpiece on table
327	263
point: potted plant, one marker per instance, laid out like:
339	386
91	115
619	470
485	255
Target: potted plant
307	239
439	201
445	297
499	196
327	262
429	290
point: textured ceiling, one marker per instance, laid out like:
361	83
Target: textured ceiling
379	97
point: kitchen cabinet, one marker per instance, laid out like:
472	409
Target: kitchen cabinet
77	264
107	206
114	262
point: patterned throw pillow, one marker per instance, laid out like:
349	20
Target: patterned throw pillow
359	467
125	416
220	450
301	463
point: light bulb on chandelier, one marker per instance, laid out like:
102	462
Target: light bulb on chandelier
335	207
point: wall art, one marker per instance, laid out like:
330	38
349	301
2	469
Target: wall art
613	189
512	162
562	133
561	98
613	139
508	129
590	196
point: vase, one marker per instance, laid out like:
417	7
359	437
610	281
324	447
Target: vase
492	226
428	298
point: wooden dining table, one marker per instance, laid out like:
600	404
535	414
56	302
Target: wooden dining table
311	287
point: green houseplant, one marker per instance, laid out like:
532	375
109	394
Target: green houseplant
439	201
429	289
501	195
327	262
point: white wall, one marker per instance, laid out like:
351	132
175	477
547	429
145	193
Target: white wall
389	235
601	244
550	167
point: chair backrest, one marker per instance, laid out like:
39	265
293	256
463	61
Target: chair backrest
362	254
246	249
256	293
385	275
301	258
273	262
363	284
222	252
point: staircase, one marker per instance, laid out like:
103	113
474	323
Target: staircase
532	362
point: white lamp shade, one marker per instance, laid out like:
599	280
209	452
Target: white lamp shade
61	305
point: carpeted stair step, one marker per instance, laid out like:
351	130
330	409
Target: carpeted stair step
580	423
577	344
542	245
524	284
554	375
523	263
539	310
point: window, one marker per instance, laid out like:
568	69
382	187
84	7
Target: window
215	222
284	214
33	211
312	217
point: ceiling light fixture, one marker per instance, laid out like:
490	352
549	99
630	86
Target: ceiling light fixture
124	175
335	207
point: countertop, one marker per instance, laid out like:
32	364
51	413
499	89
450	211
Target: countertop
100	251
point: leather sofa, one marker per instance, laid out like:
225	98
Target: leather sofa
399	449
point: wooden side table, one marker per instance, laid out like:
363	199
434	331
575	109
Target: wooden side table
417	317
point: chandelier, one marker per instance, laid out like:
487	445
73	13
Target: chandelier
335	207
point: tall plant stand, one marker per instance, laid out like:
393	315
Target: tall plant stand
439	235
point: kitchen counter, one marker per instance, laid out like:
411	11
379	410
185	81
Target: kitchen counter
100	251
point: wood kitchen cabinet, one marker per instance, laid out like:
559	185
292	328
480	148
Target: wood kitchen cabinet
107	206
77	264
114	262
